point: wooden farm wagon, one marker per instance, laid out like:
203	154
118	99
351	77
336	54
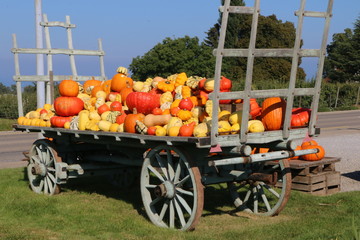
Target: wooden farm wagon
174	170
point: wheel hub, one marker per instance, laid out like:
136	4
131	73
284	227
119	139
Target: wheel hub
38	169
166	189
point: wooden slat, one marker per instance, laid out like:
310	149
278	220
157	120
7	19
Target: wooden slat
31	78
269	52
238	9
58	51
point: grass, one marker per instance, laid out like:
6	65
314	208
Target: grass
6	124
92	209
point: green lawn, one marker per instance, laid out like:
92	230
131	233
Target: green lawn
92	209
6	124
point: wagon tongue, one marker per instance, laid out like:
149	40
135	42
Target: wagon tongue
270	179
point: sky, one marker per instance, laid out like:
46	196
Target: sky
131	28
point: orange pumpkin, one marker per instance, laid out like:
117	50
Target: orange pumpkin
90	84
157	111
273	113
296	149
121	81
309	143
124	93
130	121
68	88
95	90
314	156
106	86
187	130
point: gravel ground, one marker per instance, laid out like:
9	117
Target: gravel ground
346	147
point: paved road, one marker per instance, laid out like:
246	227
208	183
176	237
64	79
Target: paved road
340	136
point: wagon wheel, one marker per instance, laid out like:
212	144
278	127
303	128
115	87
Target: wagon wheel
171	188
259	194
41	168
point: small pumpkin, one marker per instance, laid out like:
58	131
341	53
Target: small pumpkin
184	114
120	80
130	121
181	79
59	121
68	88
166	86
90	84
314	156
160	131
186	104
124	93
224	127
309	142
201	130
187	130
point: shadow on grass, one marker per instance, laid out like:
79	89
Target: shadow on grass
217	199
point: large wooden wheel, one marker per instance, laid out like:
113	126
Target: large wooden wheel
41	168
260	193
171	188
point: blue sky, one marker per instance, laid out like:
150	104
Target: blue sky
131	28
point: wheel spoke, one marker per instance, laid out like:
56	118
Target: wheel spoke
51	169
47	157
256	202
179	213
247	196
50	185
156	200
153	170
35	159
172	214
184	203
182	181
177	172
170	165
272	168
39	153
182	191
150	186
162	166
264	198
163	210
271	190
46	186
51	177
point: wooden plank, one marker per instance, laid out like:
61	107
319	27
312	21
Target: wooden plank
333	179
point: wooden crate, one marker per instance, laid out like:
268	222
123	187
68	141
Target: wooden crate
315	177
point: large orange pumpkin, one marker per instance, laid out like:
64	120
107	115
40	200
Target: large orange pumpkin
143	102
273	113
68	106
314	156
68	88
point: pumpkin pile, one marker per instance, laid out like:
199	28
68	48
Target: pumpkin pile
174	106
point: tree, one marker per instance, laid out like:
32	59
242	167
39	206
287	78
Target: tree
342	63
174	56
271	33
